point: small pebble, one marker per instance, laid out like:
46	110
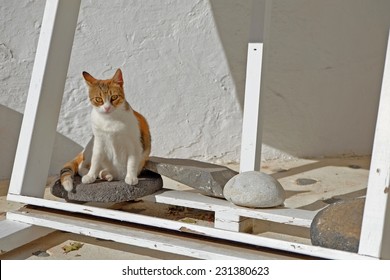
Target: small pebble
280	170
354	166
305	181
41	254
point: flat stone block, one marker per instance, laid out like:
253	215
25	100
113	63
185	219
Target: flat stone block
210	179
114	191
338	226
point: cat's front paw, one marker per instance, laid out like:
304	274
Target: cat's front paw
88	179
131	180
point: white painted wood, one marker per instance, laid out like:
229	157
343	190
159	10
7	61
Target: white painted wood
15	234
43	104
375	234
227	221
297	217
251	139
185	246
245	238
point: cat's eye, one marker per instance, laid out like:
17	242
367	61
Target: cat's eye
114	97
98	100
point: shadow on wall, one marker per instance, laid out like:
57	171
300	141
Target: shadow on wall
10	123
323	73
232	19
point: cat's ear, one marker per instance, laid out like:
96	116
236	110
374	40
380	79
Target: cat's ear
88	78
118	78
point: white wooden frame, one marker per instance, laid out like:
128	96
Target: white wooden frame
252	126
39	127
375	235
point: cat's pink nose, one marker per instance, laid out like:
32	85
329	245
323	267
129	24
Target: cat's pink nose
107	108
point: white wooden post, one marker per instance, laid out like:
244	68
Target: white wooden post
252	127
375	234
43	104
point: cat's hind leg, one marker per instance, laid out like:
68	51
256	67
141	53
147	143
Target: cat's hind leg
106	175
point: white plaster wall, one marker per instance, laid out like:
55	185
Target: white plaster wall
323	75
184	69
175	70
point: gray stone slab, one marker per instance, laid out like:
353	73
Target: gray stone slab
114	191
338	226
208	178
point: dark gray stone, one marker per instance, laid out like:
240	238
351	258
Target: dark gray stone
338	226
114	191
208	178
254	189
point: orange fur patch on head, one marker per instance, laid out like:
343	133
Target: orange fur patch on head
88	78
110	90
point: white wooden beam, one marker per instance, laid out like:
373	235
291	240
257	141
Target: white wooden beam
146	238
43	104
252	127
245	238
375	234
296	217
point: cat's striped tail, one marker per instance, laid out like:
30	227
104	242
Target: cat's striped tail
69	170
79	165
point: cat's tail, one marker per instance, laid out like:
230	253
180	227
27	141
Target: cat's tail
69	170
146	139
79	165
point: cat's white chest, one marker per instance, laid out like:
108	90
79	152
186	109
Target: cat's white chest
119	123
116	138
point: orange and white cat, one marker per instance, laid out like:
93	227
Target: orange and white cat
121	143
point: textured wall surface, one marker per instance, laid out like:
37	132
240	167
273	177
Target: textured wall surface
324	73
184	69
174	65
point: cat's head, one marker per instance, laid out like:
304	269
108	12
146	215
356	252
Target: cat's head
106	96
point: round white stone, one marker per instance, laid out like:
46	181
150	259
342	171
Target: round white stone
254	189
